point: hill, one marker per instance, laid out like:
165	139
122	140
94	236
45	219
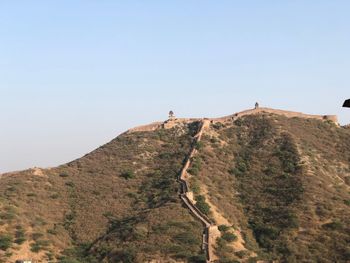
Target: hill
258	185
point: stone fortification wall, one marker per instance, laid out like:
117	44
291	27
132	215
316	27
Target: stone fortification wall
289	114
149	127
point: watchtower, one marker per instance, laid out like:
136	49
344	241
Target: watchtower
171	115
256	105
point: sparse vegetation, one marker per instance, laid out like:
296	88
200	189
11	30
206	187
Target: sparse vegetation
70	184
223	228
261	158
39	245
199	145
128	175
335	225
63	174
20	235
282	182
229	237
195	166
5	242
202	205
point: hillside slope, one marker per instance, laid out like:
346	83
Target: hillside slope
275	187
126	188
282	183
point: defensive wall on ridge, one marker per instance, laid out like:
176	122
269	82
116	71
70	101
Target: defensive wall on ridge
289	114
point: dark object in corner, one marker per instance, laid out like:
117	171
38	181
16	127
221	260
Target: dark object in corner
347	103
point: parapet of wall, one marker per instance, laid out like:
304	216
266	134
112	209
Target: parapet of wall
149	127
168	124
174	122
288	114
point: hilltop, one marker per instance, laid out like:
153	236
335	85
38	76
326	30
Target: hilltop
259	185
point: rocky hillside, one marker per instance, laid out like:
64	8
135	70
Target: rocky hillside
272	186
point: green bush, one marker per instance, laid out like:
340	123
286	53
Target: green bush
5	242
7	215
197	259
229	237
241	254
20	240
76	254
52	231
128	175
20	236
202	205
196	165
217	126
193	171
238	122
70	184
335	225
161	189
126	256
214	140
199	145
49	255
241	167
54	196
223	228
195	187
38	245
70	216
11	189
265	234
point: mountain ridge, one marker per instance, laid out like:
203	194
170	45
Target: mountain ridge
273	187
290	114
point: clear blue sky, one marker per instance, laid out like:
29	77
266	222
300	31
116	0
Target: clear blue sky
75	74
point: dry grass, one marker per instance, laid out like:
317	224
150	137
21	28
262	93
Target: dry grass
282	183
74	206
